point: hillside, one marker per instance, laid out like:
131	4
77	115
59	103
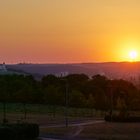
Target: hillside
124	70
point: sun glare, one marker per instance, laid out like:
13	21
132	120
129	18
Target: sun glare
133	55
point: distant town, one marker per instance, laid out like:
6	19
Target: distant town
112	70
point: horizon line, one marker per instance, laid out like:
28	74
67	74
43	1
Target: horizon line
59	63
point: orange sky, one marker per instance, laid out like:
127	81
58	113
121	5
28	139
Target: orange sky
63	31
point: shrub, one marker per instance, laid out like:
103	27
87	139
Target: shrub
19	131
6	133
122	119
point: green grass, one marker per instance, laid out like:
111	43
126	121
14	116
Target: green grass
50	110
45	114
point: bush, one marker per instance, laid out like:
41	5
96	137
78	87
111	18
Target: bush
19	131
6	133
27	130
121	119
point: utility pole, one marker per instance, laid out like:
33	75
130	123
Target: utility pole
66	104
111	100
63	76
4	112
111	110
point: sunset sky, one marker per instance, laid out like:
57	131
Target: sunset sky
69	31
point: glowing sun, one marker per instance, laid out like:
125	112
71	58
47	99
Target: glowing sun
133	55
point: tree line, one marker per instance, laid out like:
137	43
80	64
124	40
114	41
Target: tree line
79	90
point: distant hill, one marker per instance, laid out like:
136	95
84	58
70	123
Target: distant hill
125	70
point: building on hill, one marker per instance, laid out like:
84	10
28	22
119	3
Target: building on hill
6	71
3	68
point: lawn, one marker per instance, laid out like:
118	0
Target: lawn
50	110
45	114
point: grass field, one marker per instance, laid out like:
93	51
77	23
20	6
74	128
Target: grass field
43	109
44	114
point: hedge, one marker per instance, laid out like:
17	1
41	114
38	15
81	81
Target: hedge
122	119
19	131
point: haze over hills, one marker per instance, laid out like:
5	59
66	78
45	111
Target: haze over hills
125	70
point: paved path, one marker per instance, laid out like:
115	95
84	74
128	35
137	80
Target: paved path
73	135
47	139
74	124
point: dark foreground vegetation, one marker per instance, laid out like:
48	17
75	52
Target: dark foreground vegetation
122	118
19	131
72	91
